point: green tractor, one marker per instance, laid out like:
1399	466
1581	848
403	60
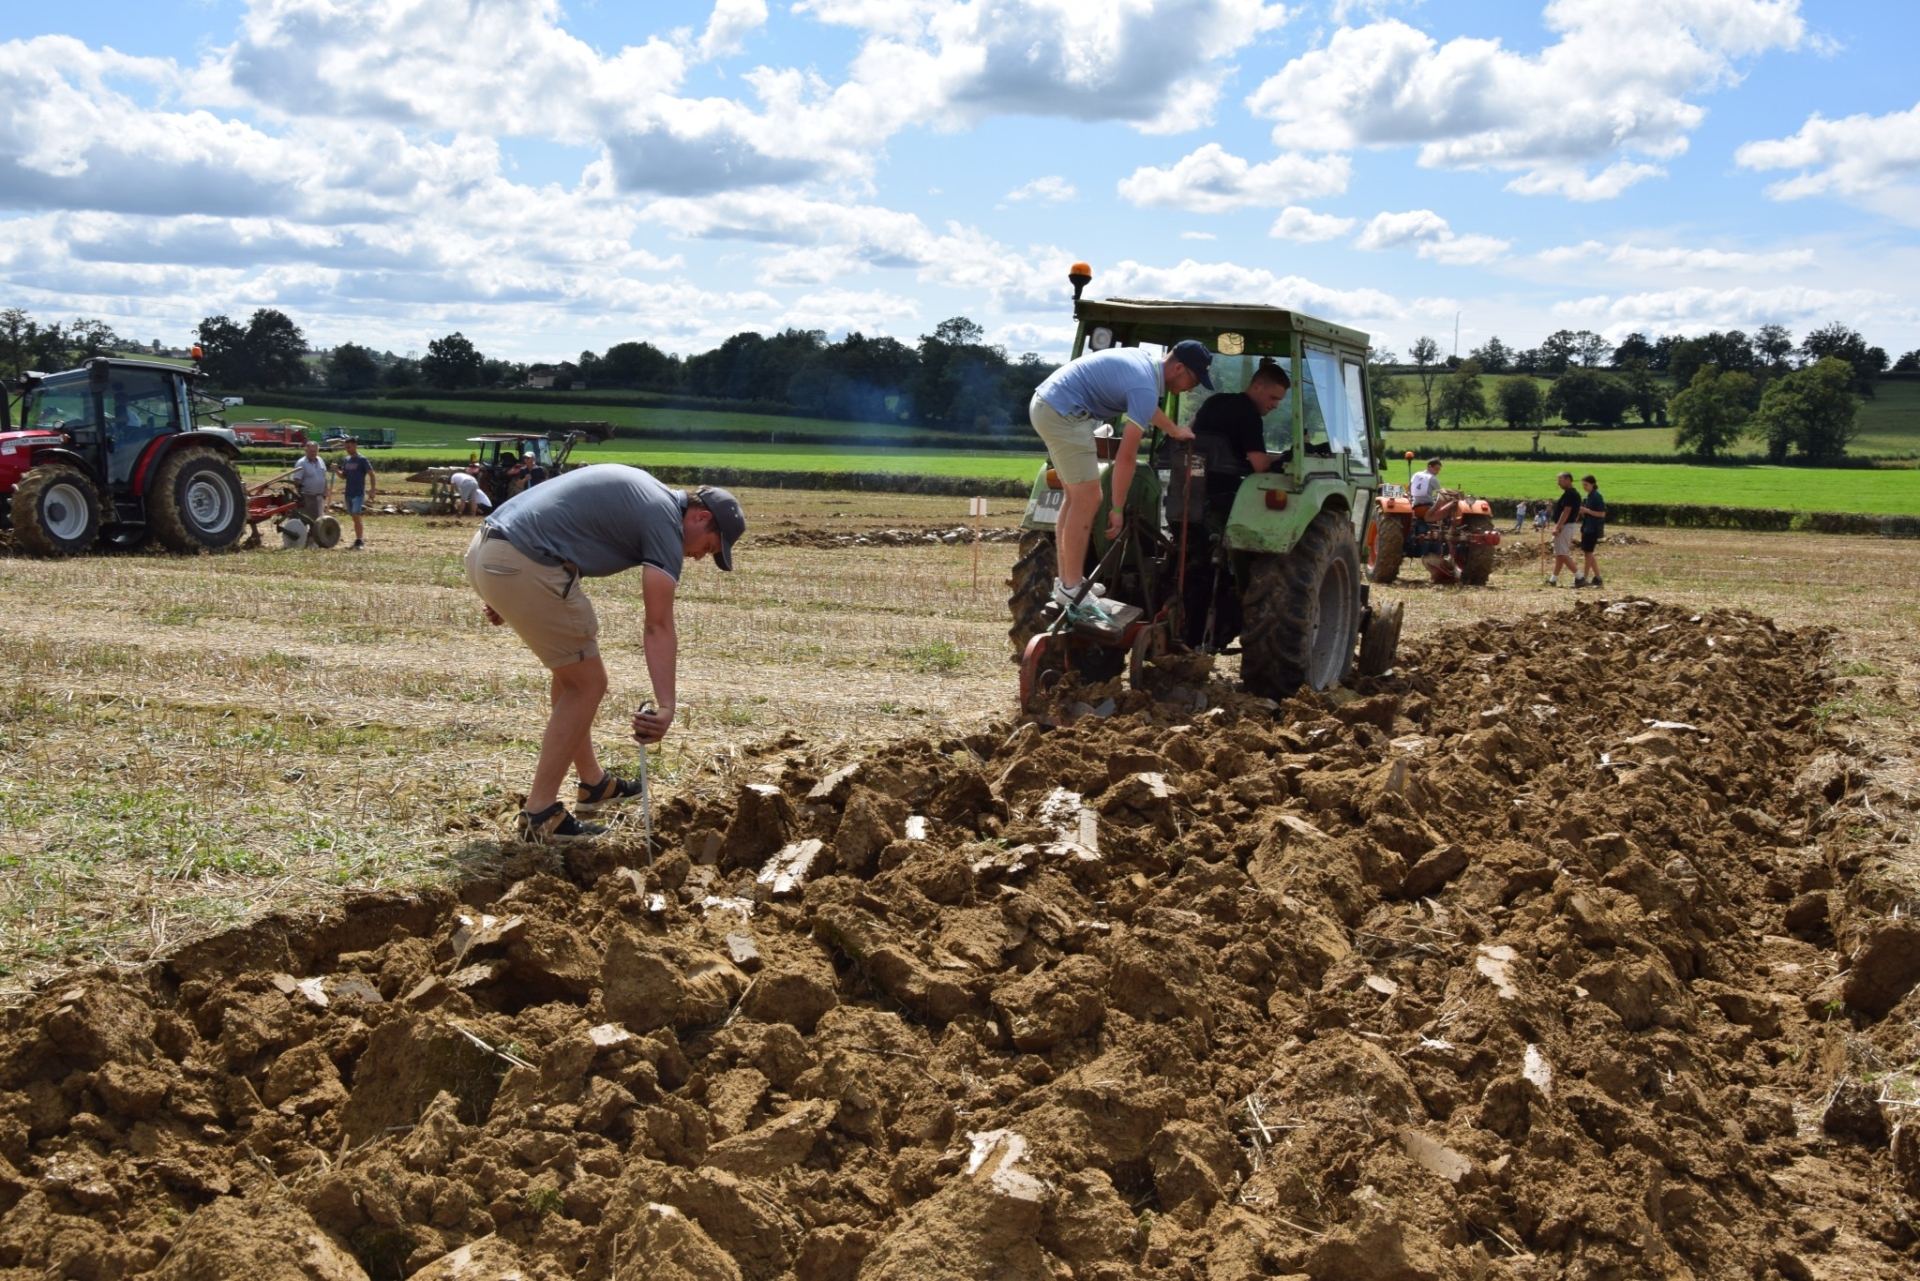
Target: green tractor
1212	551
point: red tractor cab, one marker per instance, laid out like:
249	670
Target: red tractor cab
111	453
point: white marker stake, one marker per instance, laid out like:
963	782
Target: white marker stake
976	508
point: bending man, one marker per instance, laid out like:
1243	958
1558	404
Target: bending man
526	562
1065	410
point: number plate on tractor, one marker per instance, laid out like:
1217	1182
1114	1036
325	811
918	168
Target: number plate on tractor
1046	508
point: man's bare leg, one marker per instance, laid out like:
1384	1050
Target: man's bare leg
1078	506
578	689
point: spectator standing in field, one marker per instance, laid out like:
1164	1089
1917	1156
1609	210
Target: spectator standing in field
526	563
466	489
1520	515
356	469
1065	409
1593	526
314	482
1565	509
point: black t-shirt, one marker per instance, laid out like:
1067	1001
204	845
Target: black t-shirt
1594	526
1230	418
1568	505
1231	415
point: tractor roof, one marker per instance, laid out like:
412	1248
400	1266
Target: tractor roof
507	438
1165	322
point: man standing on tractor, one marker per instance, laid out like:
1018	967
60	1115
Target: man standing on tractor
526	563
1565	508
1065	410
357	470
314	482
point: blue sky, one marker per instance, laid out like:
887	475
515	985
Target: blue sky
548	178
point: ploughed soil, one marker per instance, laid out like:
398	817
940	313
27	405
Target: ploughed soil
1518	962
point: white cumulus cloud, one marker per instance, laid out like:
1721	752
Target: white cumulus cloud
1619	81
1429	235
1874	159
1308	227
1691	310
1050	190
1677	258
1214	180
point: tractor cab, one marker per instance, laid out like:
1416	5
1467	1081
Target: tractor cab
112	451
508	462
1248	544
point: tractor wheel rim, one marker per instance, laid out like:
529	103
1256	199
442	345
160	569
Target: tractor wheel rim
1330	628
64	511
208	503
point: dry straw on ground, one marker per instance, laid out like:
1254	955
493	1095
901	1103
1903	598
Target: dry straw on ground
188	742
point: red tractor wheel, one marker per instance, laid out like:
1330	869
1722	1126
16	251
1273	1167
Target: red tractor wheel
56	510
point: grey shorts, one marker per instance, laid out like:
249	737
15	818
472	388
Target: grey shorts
1563	540
1069	440
313	506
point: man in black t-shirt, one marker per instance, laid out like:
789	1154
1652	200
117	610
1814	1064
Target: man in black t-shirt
1566	509
1237	418
1593	524
1234	421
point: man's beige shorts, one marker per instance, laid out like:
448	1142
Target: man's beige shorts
1069	441
1563	540
543	603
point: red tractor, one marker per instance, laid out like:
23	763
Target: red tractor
110	454
1453	537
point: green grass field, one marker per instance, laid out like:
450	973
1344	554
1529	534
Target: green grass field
1891	492
1889	428
665	421
1791	488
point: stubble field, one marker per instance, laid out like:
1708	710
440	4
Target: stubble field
1345	967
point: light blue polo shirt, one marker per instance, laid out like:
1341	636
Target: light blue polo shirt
1122	380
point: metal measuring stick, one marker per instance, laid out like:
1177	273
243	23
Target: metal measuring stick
646	797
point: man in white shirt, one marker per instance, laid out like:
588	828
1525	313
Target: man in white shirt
314	480
1425	485
466	488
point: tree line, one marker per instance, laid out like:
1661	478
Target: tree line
1799	398
950	378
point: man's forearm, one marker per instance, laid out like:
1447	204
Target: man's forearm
662	644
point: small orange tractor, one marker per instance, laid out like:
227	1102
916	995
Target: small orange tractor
1453	536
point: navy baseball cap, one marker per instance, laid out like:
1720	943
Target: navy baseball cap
1194	355
727	518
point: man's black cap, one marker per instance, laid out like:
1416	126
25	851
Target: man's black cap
727	518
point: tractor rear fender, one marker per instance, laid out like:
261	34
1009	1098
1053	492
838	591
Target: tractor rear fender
1475	507
1396	505
1273	526
162	447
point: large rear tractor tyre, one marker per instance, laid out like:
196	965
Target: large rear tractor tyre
1479	567
197	502
1302	611
56	511
1380	640
1032	583
1389	546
